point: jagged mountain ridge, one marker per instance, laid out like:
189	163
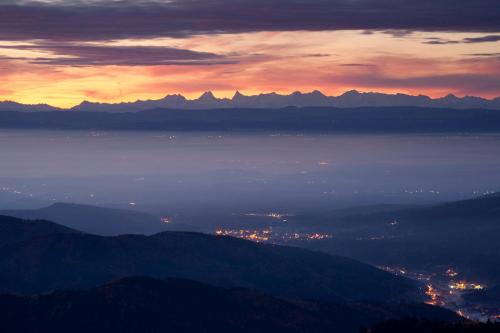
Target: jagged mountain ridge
207	100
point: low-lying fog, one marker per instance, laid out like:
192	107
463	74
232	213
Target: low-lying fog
158	171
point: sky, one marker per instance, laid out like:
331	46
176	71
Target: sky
63	52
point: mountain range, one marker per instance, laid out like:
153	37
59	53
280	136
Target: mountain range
316	98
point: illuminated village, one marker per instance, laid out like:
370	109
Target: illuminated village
443	287
447	289
270	235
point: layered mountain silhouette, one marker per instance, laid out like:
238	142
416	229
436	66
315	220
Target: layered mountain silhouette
94	220
141	304
207	100
461	234
483	210
74	260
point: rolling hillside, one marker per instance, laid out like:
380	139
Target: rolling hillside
142	304
77	260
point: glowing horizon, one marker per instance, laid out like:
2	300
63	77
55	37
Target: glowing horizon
134	54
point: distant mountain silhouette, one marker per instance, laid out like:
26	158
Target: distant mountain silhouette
349	99
207	100
481	211
94	220
140	304
77	260
13	106
461	234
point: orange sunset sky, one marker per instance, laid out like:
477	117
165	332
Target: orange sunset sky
63	69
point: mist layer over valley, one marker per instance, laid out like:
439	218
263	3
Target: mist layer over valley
172	170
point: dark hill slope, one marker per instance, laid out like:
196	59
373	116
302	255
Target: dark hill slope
94	220
147	305
462	234
13	230
483	211
72	261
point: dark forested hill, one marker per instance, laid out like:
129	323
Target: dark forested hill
94	220
13	230
142	304
77	260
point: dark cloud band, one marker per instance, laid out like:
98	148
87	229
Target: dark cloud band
483	39
70	54
106	20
